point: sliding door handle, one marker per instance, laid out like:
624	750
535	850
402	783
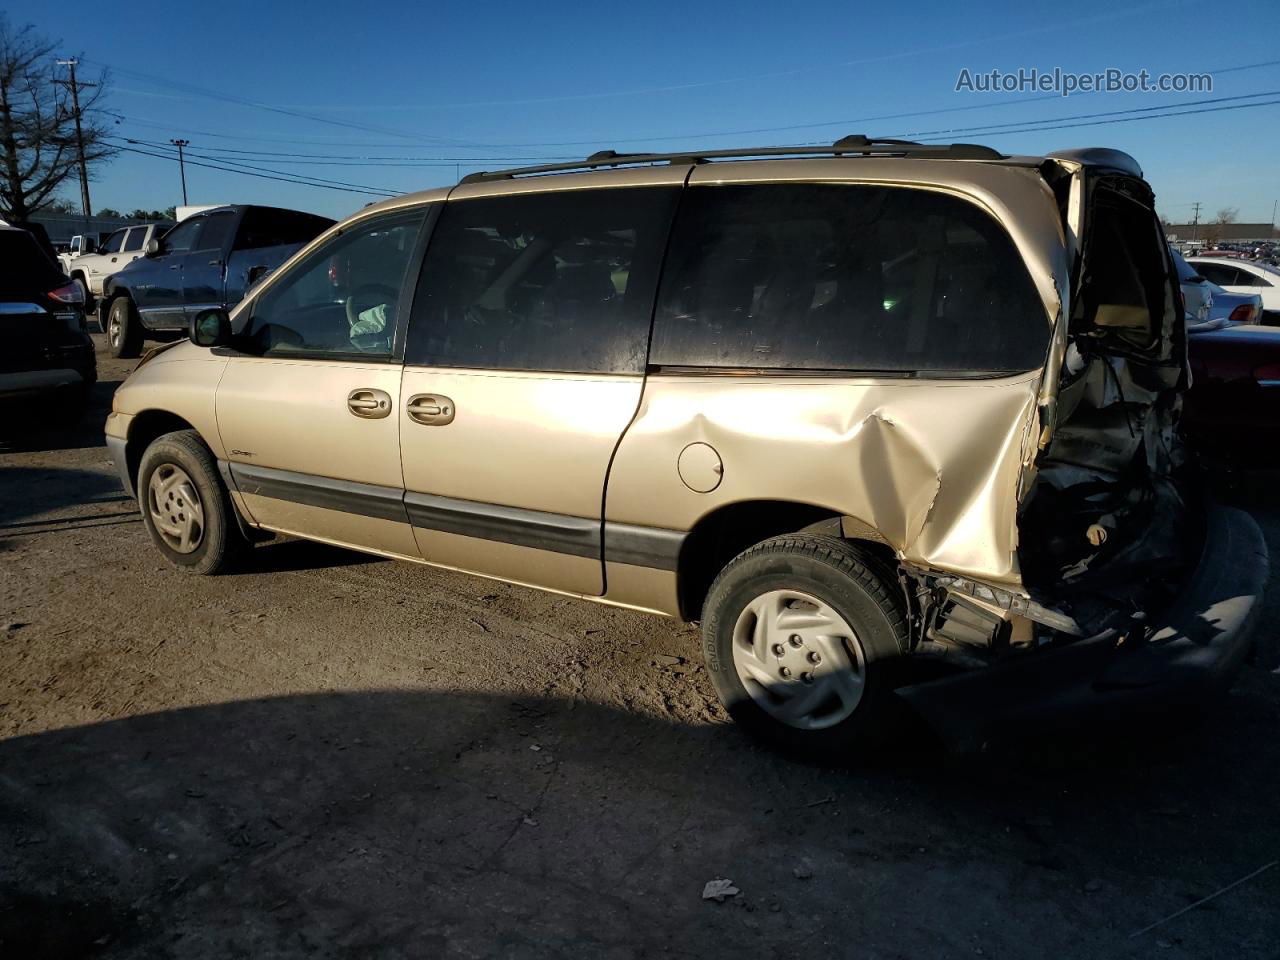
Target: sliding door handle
430	409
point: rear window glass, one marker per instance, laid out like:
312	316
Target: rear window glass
134	240
836	277
23	264
263	227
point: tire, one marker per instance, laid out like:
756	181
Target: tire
853	639
124	330
177	471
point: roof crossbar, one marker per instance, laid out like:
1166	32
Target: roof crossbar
854	145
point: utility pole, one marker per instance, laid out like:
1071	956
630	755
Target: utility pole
1195	221
182	168
75	103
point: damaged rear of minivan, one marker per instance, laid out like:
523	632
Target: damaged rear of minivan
1137	590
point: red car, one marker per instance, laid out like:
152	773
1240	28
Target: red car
1232	410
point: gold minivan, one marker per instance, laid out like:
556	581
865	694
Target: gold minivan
890	421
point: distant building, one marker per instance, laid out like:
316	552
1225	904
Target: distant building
1221	232
61	227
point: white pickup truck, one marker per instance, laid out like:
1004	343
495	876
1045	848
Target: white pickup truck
91	270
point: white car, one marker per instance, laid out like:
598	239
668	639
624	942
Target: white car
1244	276
91	270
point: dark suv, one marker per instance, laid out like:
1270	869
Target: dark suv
47	355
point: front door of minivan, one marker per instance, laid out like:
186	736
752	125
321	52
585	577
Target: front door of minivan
524	365
307	411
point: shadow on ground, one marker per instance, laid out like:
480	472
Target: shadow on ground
26	426
27	492
403	824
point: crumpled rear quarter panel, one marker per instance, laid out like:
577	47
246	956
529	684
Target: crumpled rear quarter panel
932	466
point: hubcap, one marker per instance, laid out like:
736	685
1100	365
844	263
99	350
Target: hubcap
799	660
113	328
175	508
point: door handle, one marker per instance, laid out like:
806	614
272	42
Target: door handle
113	259
174	266
430	409
215	263
368	403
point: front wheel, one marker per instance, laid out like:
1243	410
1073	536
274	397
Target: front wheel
801	636
124	329
185	507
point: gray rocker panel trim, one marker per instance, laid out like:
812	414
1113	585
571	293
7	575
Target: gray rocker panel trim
365	499
627	543
576	536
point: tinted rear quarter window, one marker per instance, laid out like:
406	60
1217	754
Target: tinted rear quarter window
841	277
555	282
265	227
23	265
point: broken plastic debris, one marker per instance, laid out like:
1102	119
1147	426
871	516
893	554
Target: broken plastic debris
718	889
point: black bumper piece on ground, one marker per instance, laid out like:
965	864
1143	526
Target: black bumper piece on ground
1193	652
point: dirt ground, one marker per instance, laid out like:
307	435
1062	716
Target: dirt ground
336	756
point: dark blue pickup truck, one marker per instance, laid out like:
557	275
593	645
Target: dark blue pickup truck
208	260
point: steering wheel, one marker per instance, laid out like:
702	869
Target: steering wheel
368	295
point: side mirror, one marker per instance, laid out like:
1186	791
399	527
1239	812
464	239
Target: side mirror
210	328
152	248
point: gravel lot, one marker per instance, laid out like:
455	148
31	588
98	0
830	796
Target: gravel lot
336	756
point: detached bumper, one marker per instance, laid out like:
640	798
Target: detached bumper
1194	652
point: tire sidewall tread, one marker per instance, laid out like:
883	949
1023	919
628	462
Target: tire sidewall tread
222	541
858	586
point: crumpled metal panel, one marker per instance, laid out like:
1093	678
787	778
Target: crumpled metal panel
932	466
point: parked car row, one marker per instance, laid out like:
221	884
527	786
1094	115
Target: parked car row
1209	306
1248	277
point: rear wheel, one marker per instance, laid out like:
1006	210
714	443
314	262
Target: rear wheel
802	635
124	330
185	507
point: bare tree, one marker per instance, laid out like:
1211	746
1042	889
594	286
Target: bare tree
38	149
1226	215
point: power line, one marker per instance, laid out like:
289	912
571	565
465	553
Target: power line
1086	116
263	176
846	123
1099	123
247	166
362	160
1031	126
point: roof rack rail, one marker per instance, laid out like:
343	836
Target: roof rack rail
855	144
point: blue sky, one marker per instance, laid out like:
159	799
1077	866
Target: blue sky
423	84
